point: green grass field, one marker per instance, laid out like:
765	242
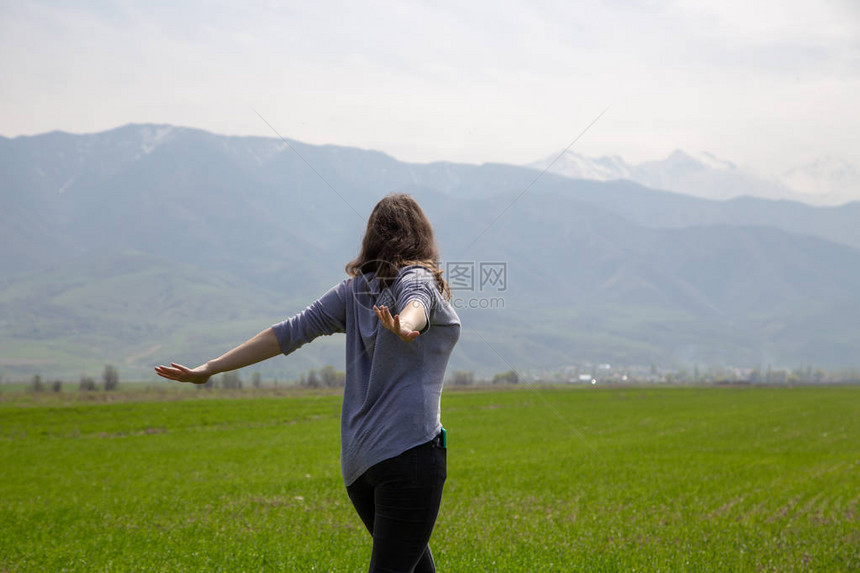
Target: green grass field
555	479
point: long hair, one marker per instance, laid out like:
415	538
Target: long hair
398	235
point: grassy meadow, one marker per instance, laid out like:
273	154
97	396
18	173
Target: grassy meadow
539	479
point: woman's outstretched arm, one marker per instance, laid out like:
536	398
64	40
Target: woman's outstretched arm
261	347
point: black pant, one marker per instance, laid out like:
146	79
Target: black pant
398	501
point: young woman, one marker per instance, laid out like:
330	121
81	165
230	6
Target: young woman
393	455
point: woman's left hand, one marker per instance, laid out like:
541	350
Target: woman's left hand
180	373
404	331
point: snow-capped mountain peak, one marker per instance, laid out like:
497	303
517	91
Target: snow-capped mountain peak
826	181
576	166
151	136
709	160
826	176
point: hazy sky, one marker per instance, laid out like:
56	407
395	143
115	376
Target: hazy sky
770	84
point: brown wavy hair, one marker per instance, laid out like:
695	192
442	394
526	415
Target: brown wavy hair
398	235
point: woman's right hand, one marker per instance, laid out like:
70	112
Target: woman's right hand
393	323
180	373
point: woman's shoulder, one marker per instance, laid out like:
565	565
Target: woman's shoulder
420	280
416	270
413	276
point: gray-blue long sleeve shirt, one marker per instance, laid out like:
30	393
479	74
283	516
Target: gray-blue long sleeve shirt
391	400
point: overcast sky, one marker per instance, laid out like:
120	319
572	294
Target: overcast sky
770	84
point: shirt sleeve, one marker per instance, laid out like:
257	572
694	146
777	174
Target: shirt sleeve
416	283
325	316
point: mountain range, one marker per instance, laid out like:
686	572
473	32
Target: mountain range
147	244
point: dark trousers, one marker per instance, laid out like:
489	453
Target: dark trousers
398	501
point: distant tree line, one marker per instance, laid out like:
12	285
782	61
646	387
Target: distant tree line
327	377
110	382
37	385
228	381
467	378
